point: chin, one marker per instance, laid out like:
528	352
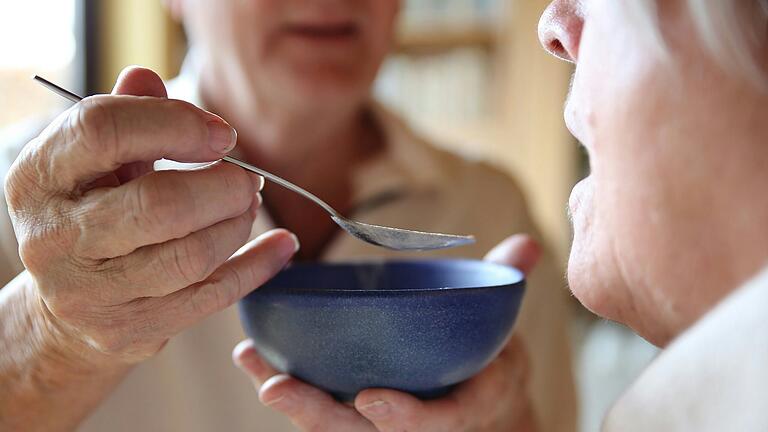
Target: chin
586	286
610	298
326	87
593	275
586	265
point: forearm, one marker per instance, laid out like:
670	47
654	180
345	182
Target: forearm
47	381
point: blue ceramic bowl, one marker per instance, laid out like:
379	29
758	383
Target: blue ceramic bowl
415	326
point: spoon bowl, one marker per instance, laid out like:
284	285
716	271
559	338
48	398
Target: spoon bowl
400	239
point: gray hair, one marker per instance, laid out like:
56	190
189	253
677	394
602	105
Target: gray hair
732	34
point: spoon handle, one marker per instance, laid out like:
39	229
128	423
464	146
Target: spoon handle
273	178
284	183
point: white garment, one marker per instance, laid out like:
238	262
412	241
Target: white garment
192	384
714	377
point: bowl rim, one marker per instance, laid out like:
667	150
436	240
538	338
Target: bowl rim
519	282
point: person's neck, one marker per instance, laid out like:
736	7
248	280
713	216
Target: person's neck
282	139
316	149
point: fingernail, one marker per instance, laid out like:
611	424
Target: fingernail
243	360
256	204
257	180
296	244
254	368
221	137
377	409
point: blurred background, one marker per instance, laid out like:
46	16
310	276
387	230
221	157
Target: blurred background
468	73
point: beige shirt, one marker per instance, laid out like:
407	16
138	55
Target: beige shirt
193	386
712	378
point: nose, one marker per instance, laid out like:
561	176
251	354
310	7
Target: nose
560	29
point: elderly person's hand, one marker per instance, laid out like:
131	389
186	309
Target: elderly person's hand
122	257
495	399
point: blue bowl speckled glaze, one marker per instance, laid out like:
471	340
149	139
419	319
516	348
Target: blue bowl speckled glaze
415	326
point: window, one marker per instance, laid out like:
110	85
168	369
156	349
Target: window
38	37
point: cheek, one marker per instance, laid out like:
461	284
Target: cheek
638	223
612	243
255	22
382	18
242	37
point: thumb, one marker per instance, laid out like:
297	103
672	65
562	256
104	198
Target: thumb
520	251
139	81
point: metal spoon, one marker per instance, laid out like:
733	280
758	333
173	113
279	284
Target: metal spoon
391	238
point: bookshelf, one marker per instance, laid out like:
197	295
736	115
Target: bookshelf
471	75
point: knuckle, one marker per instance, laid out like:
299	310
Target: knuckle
30	253
13	189
95	219
184	108
24	183
193	259
116	275
188	115
209	297
150	205
41	244
200	300
238	182
93	124
16	185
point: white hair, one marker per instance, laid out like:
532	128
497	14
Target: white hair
731	33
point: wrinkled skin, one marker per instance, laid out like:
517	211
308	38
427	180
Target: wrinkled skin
122	257
668	222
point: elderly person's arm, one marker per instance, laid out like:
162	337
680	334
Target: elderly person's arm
119	257
48	379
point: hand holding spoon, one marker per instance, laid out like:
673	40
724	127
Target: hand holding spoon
391	238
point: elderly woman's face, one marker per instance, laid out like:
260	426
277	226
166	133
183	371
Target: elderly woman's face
293	51
663	222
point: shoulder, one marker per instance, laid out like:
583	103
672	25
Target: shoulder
475	180
713	377
489	195
465	193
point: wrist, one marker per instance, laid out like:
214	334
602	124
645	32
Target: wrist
43	368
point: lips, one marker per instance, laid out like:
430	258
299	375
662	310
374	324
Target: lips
322	31
573	120
580	195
